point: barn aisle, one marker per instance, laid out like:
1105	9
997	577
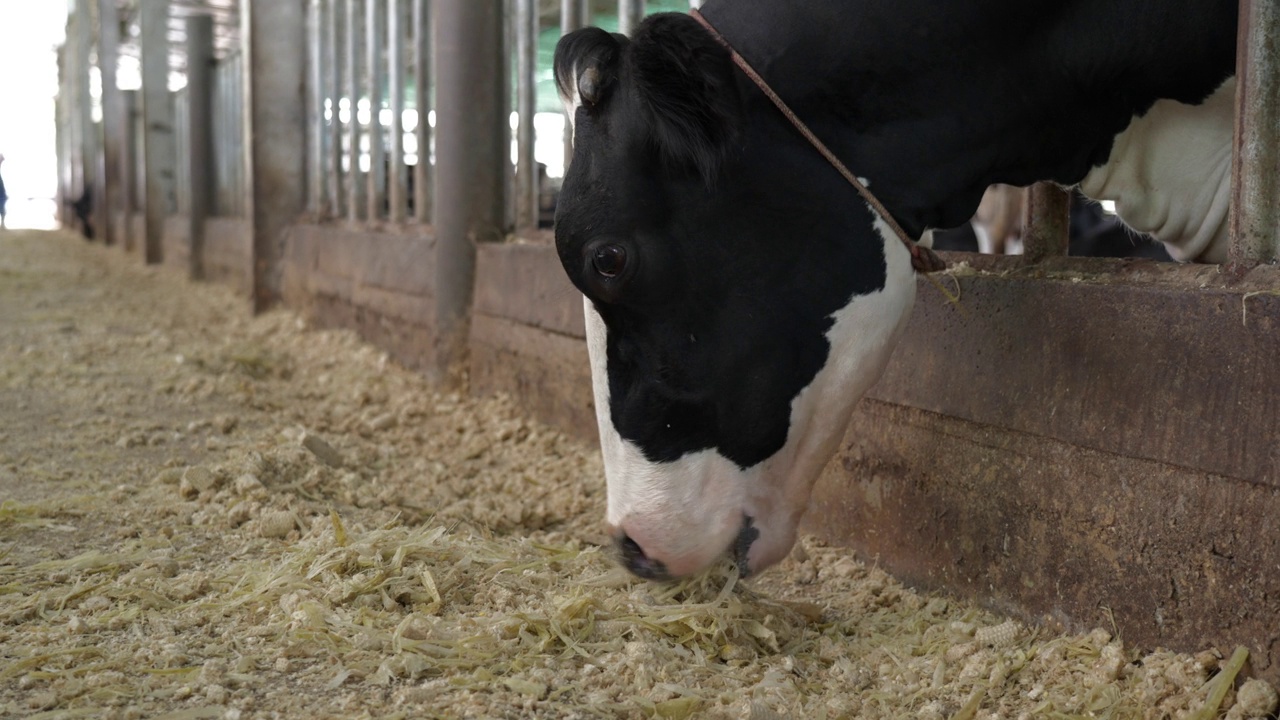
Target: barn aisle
204	514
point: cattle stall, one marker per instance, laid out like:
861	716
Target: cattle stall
1071	440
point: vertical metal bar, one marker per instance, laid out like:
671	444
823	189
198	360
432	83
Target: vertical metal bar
199	150
526	17
180	142
236	92
274	57
395	98
221	146
1045	221
354	186
112	115
473	152
86	134
630	13
373	82
333	88
60	135
1255	185
571	18
129	165
423	174
315	109
157	136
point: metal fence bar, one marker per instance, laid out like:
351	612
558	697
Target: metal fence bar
158	123
83	105
526	18
354	186
423	172
316	204
373	81
395	99
112	116
333	89
572	17
221	167
1255	187
181	140
199	146
236	150
630	13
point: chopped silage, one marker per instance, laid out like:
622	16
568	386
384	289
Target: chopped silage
212	515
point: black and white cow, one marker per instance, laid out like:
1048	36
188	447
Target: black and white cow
740	297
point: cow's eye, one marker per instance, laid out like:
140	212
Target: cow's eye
609	260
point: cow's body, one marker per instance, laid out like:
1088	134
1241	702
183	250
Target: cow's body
741	297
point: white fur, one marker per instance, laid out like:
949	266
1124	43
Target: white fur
1169	174
688	512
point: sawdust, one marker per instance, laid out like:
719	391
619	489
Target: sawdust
209	515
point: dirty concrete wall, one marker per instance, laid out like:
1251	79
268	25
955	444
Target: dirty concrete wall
379	283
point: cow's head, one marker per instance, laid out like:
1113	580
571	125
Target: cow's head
739	298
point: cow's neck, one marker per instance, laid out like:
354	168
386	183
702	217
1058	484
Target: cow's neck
910	97
1169	174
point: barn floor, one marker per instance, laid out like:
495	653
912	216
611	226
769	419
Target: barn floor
210	515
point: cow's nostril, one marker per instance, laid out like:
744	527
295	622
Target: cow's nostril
634	559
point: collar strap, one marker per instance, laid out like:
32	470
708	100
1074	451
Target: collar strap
923	259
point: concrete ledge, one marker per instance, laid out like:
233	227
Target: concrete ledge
228	252
176	246
378	283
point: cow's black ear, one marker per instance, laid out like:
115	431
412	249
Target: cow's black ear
586	66
685	83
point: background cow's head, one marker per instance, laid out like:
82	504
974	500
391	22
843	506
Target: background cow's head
739	297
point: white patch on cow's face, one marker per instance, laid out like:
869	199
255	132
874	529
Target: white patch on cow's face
1169	174
687	513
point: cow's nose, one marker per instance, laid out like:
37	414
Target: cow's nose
634	559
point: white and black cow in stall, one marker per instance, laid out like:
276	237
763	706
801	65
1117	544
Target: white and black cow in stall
740	297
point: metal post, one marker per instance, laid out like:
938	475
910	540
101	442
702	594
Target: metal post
157	137
60	133
571	18
129	192
1045	222
315	109
422	172
275	47
472	153
199	148
1255	188
630	13
355	188
222	149
395	98
526	105
86	135
373	82
333	88
112	116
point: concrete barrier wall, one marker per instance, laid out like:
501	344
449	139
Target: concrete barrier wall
379	283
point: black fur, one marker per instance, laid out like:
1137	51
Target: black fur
581	49
685	82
